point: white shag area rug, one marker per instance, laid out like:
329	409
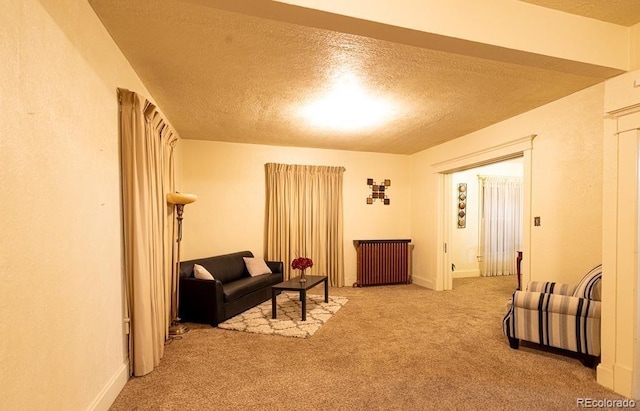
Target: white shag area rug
289	316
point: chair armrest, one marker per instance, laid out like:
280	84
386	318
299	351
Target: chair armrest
201	301
275	266
557	304
561	321
551	287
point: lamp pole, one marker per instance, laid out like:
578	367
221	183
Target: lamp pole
179	200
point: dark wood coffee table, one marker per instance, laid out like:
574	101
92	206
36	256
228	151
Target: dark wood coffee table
294	284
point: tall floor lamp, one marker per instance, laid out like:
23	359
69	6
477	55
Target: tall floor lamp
179	200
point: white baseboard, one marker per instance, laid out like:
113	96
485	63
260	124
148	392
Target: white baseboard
465	273
424	282
623	380
109	393
605	375
617	378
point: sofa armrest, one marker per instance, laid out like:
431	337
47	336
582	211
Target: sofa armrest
275	266
201	301
557	304
551	287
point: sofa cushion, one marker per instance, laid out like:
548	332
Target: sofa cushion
256	266
201	273
244	286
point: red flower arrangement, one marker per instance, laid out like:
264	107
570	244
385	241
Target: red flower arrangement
301	263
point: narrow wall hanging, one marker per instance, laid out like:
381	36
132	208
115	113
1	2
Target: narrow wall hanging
462	205
378	191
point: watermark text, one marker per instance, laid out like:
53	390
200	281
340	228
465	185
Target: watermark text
604	403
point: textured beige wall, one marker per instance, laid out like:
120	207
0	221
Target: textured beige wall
566	193
229	180
60	249
635	47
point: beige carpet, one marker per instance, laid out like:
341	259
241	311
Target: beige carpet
399	347
289	311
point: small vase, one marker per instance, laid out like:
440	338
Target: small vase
303	277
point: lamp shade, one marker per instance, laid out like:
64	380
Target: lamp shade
181	198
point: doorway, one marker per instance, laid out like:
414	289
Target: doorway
484	236
521	147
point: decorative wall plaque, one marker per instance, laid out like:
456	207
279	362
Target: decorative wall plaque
378	191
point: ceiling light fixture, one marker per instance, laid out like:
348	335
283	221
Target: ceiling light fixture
348	107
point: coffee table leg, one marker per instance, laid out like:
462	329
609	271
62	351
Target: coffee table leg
303	298
326	291
273	303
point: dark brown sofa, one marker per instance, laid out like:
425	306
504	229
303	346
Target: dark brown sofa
232	292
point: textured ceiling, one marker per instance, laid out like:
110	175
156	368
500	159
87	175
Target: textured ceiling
622	12
227	76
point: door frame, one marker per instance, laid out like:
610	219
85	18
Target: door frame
619	368
520	147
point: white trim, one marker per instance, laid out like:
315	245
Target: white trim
620	366
623	379
465	273
109	392
608	326
424	282
613	114
504	151
604	375
441	237
447	281
628	123
624	130
527	217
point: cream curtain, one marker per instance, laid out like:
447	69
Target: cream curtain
147	145
304	218
500	224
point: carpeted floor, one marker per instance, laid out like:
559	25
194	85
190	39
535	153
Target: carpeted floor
397	347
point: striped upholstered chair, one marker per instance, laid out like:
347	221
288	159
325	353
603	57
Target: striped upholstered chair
558	315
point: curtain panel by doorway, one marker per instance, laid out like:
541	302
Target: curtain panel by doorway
500	225
147	147
304	218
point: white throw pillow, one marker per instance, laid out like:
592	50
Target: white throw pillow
202	273
256	266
